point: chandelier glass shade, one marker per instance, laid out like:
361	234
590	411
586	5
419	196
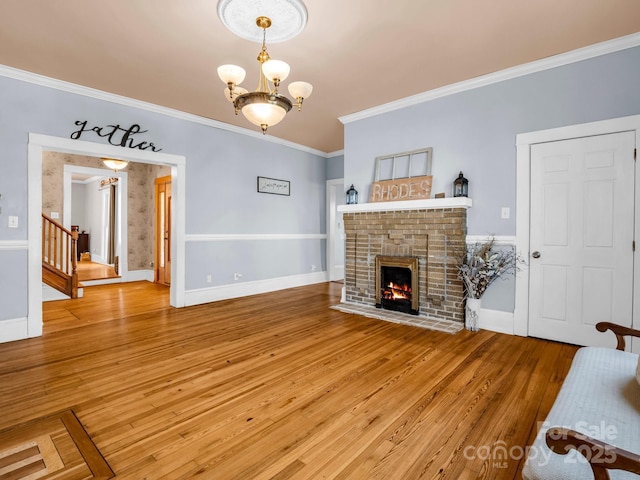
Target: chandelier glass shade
264	106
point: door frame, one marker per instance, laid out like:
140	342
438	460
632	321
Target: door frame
524	141
156	240
39	143
332	195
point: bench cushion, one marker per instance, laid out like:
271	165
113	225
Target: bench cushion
600	398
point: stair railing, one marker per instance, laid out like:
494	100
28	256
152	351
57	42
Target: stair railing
60	248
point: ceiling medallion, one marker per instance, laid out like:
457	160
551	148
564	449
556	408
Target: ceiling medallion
289	17
264	106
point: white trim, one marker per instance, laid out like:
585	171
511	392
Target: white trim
225	237
13	329
140	275
336	153
496	321
524	141
37	144
335	272
14	245
498	239
554	61
434	203
133	276
41	80
244	289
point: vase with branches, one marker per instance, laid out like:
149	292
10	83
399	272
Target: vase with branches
482	265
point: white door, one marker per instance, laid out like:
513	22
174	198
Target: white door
581	237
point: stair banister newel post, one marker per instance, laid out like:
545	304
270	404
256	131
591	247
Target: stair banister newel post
74	249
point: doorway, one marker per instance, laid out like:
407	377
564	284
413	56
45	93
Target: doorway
582	214
96	200
162	260
335	230
535	229
40	143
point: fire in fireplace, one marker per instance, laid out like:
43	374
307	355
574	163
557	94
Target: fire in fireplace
396	277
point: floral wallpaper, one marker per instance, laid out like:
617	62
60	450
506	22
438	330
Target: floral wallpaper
140	200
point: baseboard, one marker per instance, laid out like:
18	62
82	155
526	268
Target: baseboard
14	329
132	276
496	321
244	289
139	275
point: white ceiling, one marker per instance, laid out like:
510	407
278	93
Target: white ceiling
357	53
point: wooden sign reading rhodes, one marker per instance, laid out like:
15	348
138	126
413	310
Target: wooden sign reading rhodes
414	188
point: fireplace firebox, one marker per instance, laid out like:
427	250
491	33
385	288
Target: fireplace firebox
397	284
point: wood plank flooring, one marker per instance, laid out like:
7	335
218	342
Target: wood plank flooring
279	386
88	270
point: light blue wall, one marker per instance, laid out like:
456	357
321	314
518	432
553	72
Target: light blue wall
13	284
221	194
335	167
475	131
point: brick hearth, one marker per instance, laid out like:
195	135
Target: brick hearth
434	232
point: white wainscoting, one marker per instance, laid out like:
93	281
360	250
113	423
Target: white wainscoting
223	292
243	289
496	321
13	328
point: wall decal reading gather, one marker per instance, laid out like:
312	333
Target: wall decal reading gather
116	135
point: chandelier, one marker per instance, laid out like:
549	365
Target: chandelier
263	107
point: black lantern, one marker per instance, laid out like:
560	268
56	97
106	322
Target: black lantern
461	186
352	196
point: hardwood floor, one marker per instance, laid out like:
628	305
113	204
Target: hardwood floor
279	386
88	270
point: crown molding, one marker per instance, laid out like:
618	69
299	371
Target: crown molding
61	85
596	50
335	153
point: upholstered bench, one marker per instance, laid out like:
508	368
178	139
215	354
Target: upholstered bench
593	428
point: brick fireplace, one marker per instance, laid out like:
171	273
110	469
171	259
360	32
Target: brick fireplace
428	233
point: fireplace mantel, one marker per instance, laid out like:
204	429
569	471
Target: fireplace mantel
430	204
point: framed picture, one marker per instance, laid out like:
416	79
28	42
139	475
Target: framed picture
274	186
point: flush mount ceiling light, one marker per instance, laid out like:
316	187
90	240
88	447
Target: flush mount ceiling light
263	107
114	163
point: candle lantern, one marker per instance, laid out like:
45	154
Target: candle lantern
352	196
461	186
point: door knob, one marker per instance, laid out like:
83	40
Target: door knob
536	254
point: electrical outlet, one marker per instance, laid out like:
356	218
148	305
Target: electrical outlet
237	276
13	222
208	278
313	268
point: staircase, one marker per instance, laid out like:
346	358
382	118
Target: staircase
59	257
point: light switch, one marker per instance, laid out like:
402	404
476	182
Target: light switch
506	212
55	215
13	222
